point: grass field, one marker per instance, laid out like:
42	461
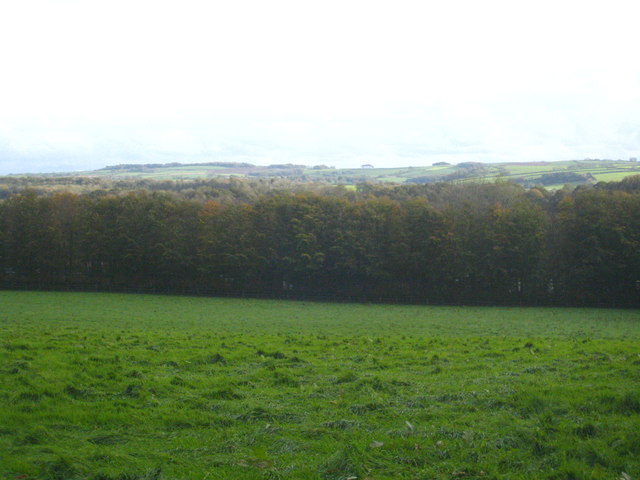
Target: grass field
109	386
602	170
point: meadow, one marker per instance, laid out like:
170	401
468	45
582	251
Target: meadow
132	387
601	170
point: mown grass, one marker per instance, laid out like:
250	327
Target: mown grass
106	386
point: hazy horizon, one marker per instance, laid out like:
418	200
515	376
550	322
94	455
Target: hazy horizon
403	83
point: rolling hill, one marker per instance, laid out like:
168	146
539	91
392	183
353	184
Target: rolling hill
547	174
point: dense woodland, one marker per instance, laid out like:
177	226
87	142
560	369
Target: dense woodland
497	243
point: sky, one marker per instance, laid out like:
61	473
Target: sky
87	83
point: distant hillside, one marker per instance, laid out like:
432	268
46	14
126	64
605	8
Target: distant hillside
548	174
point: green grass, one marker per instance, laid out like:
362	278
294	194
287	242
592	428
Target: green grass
106	386
612	176
602	170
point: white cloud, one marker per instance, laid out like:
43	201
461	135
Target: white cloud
520	79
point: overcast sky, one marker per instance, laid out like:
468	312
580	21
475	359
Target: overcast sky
88	83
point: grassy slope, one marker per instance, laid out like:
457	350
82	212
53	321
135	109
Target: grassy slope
602	170
128	386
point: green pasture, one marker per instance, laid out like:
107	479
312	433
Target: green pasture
612	176
168	173
125	387
602	170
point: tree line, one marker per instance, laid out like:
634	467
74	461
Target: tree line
497	243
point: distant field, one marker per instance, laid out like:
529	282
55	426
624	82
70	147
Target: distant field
610	176
124	387
602	170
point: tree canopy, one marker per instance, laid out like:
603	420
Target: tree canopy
497	243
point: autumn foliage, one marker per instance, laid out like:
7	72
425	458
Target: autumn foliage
458	244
